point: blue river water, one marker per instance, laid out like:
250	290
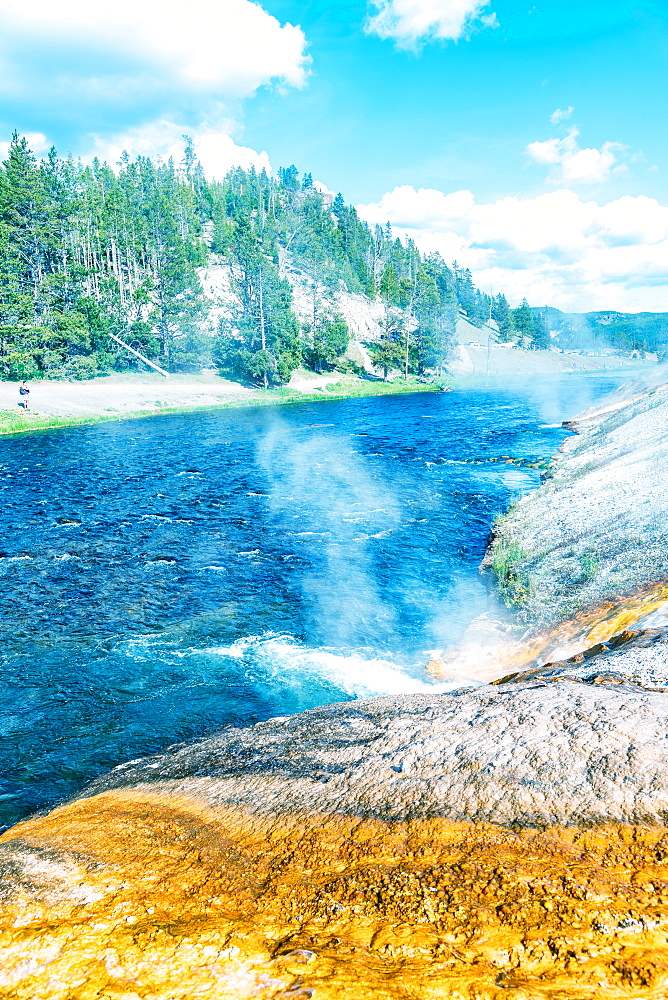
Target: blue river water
166	577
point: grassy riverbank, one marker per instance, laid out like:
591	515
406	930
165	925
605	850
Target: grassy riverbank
210	395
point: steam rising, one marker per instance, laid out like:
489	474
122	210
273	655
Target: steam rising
332	495
354	602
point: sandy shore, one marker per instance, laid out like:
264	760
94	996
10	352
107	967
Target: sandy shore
132	393
122	394
60	403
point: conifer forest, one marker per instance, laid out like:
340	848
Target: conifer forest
95	261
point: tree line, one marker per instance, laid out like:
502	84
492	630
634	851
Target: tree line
524	326
93	259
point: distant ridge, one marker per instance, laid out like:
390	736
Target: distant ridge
643	331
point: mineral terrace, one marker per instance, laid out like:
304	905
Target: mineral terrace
594	537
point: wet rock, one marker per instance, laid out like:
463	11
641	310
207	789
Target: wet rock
596	532
633	657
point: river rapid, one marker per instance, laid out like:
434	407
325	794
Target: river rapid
164	578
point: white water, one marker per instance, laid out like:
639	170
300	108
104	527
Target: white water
357	674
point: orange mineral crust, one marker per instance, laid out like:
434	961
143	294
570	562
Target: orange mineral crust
608	621
133	894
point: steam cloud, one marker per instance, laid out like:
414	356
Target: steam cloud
332	494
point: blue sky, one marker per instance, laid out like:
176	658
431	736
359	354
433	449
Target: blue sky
456	114
525	139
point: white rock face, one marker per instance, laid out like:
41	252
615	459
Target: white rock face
532	753
218	286
363	316
598	530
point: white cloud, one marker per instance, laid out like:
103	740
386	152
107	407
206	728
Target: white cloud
219	153
561	115
37	141
570	164
427	208
214	148
556	248
323	189
409	22
146	72
217	46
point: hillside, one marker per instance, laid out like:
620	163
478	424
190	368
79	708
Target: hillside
256	275
480	351
608	330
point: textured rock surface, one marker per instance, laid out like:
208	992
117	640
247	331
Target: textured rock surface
597	531
130	896
504	841
538	753
639	658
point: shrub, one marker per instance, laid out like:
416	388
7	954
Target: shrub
513	583
80	368
590	566
349	367
22	365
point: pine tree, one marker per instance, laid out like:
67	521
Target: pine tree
523	322
541	339
466	293
326	342
387	354
502	314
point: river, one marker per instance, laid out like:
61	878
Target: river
163	578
